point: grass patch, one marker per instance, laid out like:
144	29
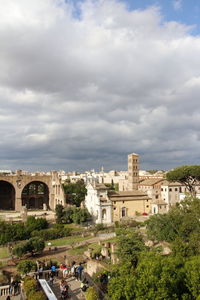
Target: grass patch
111	240
67	241
78	250
74	227
94	246
4	253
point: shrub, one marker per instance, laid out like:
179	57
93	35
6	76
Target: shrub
99	227
91	294
35	224
52	233
59	213
39	295
30	285
3	279
33	245
20	249
26	266
96	251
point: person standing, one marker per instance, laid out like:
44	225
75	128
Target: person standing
79	271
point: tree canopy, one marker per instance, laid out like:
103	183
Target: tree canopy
75	192
188	175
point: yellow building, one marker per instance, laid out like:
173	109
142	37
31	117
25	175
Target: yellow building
129	203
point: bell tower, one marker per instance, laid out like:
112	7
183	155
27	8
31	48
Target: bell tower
133	171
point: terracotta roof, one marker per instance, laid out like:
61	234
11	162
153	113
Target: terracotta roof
150	181
128	195
165	182
100	186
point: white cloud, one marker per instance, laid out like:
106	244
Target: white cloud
79	92
177	4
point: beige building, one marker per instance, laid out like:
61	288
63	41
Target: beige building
128	204
109	206
35	191
152	187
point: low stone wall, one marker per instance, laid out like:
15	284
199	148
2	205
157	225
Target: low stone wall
93	267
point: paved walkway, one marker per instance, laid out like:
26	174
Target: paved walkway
74	289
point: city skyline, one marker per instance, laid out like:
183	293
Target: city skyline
83	84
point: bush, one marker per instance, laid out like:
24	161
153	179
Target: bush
59	213
20	231
52	233
99	227
70	215
20	249
91	294
32	246
35	224
3	279
26	266
30	285
39	295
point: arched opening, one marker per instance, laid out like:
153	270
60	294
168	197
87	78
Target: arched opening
7	196
123	212
104	214
35	195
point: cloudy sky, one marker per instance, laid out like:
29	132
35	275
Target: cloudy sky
84	83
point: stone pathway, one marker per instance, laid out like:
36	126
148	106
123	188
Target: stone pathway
74	289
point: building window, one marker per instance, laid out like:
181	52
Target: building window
170	189
156	196
162	189
123	201
176	189
114	202
123	212
180	190
104	214
147	206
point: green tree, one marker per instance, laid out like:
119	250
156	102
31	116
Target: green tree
35	245
32	246
121	284
159	277
59	213
188	175
68	215
129	246
182	224
35	224
20	249
75	192
192	269
80	215
26	266
91	294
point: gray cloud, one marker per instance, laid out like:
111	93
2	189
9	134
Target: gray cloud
82	91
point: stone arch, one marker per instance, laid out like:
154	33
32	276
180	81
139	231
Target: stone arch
35	194
7	195
104	214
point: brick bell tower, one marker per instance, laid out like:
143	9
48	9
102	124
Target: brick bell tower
133	171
